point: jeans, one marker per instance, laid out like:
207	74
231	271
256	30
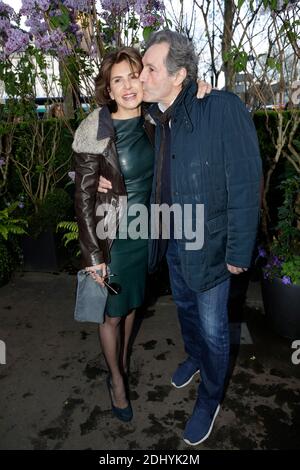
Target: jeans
204	326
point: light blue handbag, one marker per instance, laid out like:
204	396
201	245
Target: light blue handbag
90	299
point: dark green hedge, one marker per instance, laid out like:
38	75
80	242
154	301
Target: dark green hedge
267	149
58	204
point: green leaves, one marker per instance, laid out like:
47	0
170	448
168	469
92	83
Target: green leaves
147	32
238	57
272	4
292	269
296	144
72	233
274	64
61	21
39	169
9	225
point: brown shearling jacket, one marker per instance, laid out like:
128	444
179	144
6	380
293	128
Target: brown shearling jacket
95	154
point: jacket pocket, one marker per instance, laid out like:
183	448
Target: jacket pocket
217	224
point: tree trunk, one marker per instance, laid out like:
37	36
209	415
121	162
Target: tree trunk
228	65
70	86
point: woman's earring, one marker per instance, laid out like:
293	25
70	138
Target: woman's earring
110	94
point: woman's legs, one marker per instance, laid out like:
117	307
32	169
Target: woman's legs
115	350
127	330
109	333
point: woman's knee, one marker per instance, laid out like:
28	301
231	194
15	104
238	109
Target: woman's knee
113	322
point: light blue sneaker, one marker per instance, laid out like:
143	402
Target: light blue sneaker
184	374
200	425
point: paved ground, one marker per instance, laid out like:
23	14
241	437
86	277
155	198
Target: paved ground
53	392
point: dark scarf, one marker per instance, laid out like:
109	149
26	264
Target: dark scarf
163	119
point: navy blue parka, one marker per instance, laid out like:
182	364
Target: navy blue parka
215	161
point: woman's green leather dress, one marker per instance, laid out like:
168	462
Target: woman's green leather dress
129	257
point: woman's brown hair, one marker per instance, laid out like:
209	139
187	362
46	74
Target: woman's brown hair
102	81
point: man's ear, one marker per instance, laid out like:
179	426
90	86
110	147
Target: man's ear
180	76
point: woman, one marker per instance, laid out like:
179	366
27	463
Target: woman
115	141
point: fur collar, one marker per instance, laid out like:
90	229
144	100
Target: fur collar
85	139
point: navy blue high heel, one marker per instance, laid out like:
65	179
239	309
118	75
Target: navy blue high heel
124	414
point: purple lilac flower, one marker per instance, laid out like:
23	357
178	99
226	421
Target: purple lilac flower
276	261
148	6
32	6
52	41
57	36
262	252
62	50
7	10
4	24
21	205
160	6
17	41
80	5
28	7
115	6
74	28
43	4
140	6
2	162
286	280
36	25
43	42
149	20
55	12
93	50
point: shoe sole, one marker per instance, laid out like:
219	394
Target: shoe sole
185	383
208	432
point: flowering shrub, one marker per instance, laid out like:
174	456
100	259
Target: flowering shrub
74	32
282	258
71	37
58	27
288	271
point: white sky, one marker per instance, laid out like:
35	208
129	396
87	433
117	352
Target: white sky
16	4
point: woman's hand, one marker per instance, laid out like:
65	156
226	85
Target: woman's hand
204	88
92	270
103	185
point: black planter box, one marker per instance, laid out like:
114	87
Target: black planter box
282	307
43	253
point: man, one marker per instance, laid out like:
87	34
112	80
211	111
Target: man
206	153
